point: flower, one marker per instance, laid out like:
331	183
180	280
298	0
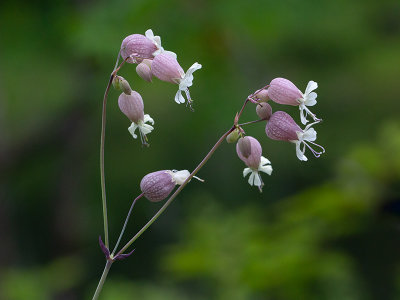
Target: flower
282	127
283	91
136	47
166	68
249	151
157	42
132	106
158	185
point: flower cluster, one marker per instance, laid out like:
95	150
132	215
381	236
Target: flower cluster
279	126
152	60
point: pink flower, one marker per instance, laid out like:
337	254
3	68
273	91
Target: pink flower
282	127
166	68
284	91
158	185
132	106
249	151
136	47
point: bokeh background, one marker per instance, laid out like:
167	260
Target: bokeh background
325	229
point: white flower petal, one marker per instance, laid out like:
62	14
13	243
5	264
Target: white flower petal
300	153
149	34
257	180
246	172
132	130
179	98
171	54
147	118
180	176
312	85
187	79
310	135
264	161
157	40
251	178
310	99
303	114
145	128
265	169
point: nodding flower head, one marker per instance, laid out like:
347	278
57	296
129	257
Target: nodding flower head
166	68
136	47
284	91
144	70
132	106
282	127
264	110
249	151
158	185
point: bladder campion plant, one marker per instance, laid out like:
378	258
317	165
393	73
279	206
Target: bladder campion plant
153	61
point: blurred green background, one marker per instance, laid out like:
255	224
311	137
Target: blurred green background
325	229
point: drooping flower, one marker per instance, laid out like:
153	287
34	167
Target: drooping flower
282	127
158	185
136	47
284	91
132	106
166	68
157	42
249	151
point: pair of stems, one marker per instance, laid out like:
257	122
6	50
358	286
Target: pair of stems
110	260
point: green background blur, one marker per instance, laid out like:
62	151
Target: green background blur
325	229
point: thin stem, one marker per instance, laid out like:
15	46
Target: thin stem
241	110
252	122
102	280
126	222
162	209
102	140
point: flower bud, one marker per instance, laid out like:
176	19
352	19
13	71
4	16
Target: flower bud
137	46
284	91
249	151
121	84
282	127
166	68
144	70
132	106
233	136
262	95
264	110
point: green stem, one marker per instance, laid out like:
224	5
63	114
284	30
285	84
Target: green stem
163	208
102	279
102	140
126	222
102	176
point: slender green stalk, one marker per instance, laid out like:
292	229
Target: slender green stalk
102	176
102	141
102	279
252	122
126	222
163	208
